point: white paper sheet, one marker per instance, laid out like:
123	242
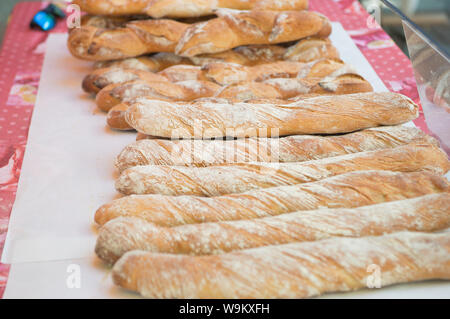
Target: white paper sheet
68	173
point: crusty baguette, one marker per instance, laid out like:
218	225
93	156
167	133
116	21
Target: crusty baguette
347	190
296	270
318	115
233	28
425	213
238	178
177	9
134	39
221	73
285	149
148	36
114	94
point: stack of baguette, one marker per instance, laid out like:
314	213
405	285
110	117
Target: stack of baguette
264	166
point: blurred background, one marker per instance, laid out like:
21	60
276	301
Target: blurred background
431	15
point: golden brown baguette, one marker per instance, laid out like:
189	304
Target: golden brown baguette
233	28
148	36
318	115
425	213
177	9
135	38
221	73
238	178
114	94
347	190
296	270
285	149
305	50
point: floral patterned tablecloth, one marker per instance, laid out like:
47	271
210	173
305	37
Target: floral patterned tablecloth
21	59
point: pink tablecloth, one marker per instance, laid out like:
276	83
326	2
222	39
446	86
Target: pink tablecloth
21	60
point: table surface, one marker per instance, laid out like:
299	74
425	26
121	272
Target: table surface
6	7
21	60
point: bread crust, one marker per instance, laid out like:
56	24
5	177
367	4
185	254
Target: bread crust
347	190
425	213
318	115
219	34
234	28
237	178
296	270
296	148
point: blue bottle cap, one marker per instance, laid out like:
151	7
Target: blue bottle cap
43	21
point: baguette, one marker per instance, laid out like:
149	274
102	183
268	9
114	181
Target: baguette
347	190
233	28
239	178
221	73
175	9
114	94
296	270
305	50
148	36
285	149
318	115
135	38
426	213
